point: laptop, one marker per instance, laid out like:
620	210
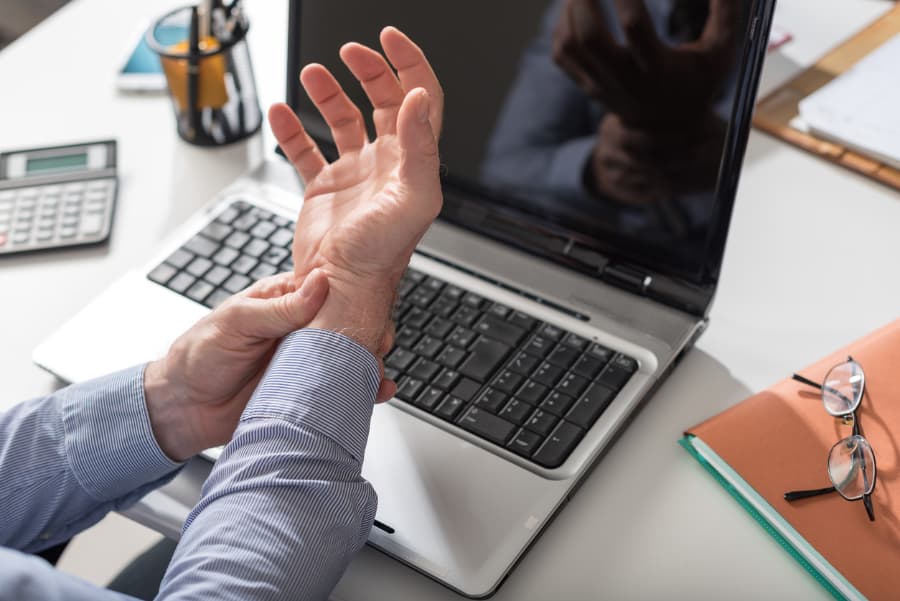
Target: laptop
574	262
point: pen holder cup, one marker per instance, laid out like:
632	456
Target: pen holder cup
210	76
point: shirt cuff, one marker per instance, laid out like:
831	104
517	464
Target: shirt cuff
109	441
323	381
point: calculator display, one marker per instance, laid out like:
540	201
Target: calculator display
56	163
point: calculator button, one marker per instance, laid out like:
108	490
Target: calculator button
28	193
67	232
92	224
21	238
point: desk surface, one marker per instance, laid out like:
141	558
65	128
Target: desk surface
648	522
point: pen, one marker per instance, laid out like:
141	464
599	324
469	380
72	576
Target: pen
193	72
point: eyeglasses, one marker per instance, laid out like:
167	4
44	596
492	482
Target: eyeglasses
851	461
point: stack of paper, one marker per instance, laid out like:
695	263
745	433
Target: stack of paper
861	108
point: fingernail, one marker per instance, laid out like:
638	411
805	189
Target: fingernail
424	105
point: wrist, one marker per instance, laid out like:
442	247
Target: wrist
357	309
166	420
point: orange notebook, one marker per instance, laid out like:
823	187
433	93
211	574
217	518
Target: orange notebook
778	440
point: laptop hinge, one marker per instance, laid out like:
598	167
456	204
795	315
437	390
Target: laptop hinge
627	277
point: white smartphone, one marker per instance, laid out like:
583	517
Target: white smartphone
141	71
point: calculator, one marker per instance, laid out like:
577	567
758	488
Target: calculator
57	197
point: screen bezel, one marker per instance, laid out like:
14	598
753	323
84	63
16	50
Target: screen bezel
698	285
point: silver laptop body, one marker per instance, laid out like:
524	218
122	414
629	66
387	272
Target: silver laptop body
451	505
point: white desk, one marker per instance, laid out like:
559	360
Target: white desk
649	522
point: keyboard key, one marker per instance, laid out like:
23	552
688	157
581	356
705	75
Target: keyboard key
228	215
551	332
558	445
485	358
538	346
161	274
516	411
541	422
588	408
450	408
400	359
472	300
615	374
447	379
531	392
439	327
557	403
245	222
199	291
276	255
424	370
263	270
588	366
236	283
547	374
498	329
226	256
216	298
461	337
282	237
576	341
243	264
523	363
451	356
416	318
486	425
255	248
391	373
263	229
237	240
443	306
181	282
180	258
433	284
491	400
281	221
199	266
572	384
202	246
600	352
414	275
508	381
410	389
562	355
428	346
524	443
465	315
421	297
404	288
91	225
407	337
453	292
430	398
465	389
216	231
501	311
217	275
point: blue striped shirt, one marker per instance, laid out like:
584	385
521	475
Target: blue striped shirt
282	513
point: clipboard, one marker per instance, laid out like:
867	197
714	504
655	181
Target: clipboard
776	110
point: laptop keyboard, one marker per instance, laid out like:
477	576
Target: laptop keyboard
498	373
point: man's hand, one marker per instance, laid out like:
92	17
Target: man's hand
363	215
196	393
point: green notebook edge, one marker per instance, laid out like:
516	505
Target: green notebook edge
688	442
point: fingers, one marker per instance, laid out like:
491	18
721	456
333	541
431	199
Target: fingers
272	286
342	116
414	71
379	82
720	31
386	391
419	163
298	147
640	32
270	318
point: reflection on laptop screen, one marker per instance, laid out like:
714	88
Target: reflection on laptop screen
555	123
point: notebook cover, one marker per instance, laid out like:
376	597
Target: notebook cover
778	440
776	110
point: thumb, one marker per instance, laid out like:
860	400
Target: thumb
419	161
281	315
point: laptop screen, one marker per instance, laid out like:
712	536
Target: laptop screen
561	135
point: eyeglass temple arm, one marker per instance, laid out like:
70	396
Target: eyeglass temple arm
796	495
806	381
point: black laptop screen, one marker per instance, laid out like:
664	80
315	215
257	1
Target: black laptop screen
554	124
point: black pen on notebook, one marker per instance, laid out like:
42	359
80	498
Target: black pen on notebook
193	72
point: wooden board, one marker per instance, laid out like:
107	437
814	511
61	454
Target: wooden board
775	111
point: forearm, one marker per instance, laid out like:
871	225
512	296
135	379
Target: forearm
30	578
285	507
71	457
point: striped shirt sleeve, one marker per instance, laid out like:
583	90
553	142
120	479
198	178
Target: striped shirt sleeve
286	507
69	458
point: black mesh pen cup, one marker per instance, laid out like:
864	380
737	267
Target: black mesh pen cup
210	76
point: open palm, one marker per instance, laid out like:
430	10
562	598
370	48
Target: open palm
363	214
